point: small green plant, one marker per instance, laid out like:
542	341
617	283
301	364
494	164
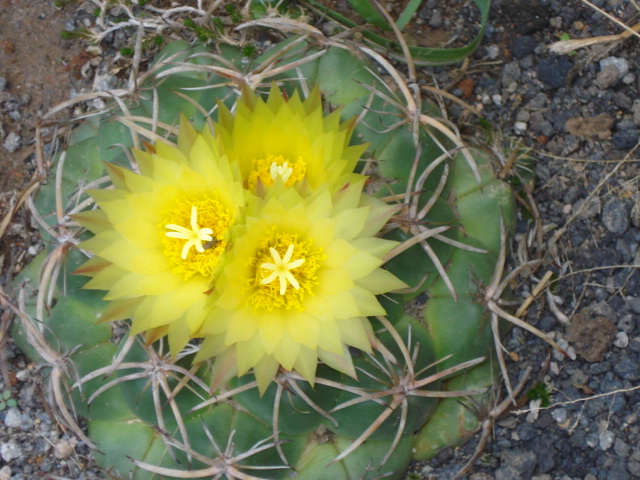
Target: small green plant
540	392
234	13
413	476
485	459
127	52
204	34
249	50
71	34
63	3
6	401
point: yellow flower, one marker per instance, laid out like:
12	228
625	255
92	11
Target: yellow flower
301	281
287	140
161	235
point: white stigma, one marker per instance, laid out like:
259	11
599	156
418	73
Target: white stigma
282	269
283	171
194	236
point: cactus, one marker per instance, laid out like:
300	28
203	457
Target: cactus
159	409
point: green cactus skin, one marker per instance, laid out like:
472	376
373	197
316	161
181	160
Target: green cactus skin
148	415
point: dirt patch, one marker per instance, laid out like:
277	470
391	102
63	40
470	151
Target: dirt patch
34	63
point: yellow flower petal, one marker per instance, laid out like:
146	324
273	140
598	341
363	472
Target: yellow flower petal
341	362
249	353
265	370
262	128
163	281
304	329
271	329
242	327
307	363
286	353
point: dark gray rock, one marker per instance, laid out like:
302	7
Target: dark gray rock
625	139
511	73
552	71
635	211
618	471
615	215
517	465
522	46
627	368
539	124
621	448
627	323
622	100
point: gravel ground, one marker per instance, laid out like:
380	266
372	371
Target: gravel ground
579	116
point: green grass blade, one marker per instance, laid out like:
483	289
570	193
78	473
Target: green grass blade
421	55
407	14
370	13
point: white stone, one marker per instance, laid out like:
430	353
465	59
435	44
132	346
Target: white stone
520	128
559	415
12	142
64	449
621	340
606	440
10	451
5	472
620	63
13	418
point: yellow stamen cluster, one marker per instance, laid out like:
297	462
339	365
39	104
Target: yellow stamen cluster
291	261
196	248
268	170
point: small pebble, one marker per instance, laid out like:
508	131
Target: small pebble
104	82
523	116
621	448
436	19
625	139
588	208
607	77
522	46
519	128
621	340
552	71
615	216
493	51
13	418
5	472
63	449
559	415
12	142
10	451
620	64
606	439
627	368
627	323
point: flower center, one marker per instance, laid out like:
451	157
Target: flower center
194	235
285	271
282	269
268	170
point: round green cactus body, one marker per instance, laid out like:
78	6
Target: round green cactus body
152	415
